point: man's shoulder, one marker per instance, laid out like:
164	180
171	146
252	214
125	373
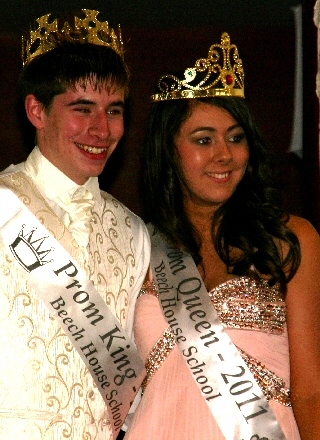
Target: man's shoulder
133	228
12	169
12	174
116	204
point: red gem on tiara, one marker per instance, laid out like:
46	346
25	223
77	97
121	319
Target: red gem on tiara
229	79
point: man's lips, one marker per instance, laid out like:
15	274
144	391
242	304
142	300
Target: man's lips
91	149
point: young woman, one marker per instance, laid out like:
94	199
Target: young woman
229	328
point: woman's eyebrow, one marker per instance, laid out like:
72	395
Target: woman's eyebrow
212	129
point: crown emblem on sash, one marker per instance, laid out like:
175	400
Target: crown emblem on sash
26	250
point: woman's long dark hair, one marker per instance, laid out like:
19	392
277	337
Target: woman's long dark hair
251	220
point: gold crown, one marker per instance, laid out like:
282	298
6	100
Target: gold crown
221	74
86	30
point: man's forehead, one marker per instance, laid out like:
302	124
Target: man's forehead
88	88
99	85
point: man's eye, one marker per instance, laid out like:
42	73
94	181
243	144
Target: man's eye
115	111
82	109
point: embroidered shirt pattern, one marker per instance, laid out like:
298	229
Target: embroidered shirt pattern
57	396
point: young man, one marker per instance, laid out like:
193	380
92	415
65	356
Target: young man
72	257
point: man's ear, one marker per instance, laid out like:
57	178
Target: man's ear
35	111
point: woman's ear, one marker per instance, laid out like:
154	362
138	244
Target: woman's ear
35	111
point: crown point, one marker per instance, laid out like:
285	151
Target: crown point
220	74
87	30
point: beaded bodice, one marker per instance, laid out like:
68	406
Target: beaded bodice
241	303
252	304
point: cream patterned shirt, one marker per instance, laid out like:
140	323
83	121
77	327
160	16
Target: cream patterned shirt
46	392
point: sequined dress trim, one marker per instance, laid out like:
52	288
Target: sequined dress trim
158	355
150	288
250	304
272	386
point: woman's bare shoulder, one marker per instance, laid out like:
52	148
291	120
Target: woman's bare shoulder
309	240
303	229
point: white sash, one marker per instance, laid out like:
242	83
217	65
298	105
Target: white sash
230	390
72	299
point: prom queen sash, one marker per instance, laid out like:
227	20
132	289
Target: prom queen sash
72	300
225	382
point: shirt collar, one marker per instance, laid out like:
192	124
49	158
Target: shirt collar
54	182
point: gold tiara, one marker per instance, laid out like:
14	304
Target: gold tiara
221	74
86	30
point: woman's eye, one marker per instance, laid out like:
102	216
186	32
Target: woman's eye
237	138
204	141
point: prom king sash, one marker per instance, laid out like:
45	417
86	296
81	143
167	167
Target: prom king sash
72	299
225	382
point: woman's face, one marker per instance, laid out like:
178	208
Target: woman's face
214	154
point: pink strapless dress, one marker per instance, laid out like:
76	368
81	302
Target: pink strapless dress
172	407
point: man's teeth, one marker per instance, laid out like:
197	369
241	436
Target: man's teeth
92	150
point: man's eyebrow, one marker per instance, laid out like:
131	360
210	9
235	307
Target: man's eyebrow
119	103
83	101
80	101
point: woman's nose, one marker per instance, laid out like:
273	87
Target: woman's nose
222	152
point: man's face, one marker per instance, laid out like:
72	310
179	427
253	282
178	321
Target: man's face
81	130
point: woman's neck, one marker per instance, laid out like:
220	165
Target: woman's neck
200	216
212	269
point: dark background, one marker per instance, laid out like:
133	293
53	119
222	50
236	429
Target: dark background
166	36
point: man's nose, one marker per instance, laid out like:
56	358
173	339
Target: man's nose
100	125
